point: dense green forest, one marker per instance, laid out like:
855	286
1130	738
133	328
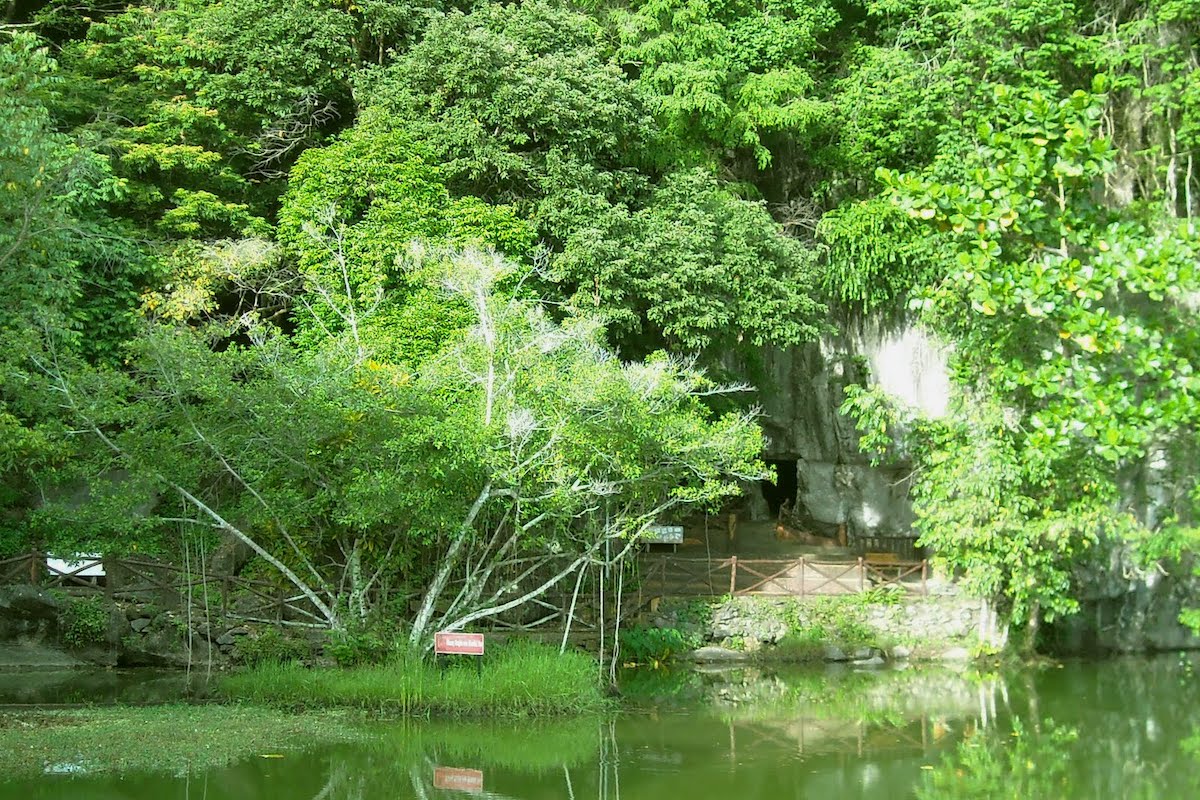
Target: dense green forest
401	291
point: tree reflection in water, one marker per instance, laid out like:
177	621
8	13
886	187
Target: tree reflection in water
1113	729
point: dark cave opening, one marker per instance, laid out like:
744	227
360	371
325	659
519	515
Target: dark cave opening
785	487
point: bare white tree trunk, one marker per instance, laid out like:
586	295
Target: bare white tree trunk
1172	189
348	311
538	591
326	610
449	561
1187	188
571	611
616	643
357	601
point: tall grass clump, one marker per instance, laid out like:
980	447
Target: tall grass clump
517	679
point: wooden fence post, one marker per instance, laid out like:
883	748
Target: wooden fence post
34	576
732	575
279	594
924	570
110	567
803	576
862	575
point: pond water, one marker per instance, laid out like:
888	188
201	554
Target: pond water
1111	729
98	686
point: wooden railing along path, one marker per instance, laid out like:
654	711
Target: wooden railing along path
671	576
251	600
904	547
800	577
143	579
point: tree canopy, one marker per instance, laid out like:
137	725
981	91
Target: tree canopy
234	235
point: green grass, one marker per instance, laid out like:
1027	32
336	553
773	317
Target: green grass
173	738
516	680
178	739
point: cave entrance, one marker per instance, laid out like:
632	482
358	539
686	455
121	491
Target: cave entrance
786	485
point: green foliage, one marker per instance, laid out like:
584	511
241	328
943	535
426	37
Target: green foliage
728	75
358	647
1101	356
386	190
527	427
263	56
995	525
523	105
351	214
69	273
270	646
252	176
889	110
817	623
198	98
500	94
876	255
983	502
1071	336
889	595
879	421
697	266
697	612
810	642
1171	546
654	646
168	141
83	622
62	257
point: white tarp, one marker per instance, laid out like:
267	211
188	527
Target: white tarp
89	566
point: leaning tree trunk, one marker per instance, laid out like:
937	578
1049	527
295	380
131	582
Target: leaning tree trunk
1032	627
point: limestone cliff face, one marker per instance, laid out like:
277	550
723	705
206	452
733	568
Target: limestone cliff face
1123	609
801	395
1127	609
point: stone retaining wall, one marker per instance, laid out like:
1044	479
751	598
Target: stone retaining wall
828	628
135	634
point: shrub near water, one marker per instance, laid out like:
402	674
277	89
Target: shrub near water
269	646
84	622
821	622
515	680
643	646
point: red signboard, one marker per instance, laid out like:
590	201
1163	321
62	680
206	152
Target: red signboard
458	780
458	644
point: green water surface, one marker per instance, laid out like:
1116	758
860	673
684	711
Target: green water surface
1110	729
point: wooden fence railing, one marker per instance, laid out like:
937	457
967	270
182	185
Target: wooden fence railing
903	548
23	569
800	577
143	579
37	569
250	600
